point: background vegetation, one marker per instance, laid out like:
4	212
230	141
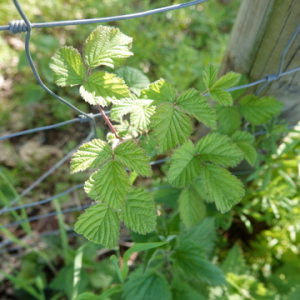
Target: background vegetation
256	244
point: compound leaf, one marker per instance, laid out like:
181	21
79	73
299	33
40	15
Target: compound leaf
259	111
221	96
112	184
225	188
228	80
197	106
229	119
159	92
134	79
90	155
133	157
190	258
99	224
170	127
139	213
219	149
147	286
107	46
185	165
191	207
102	88
210	76
243	140
68	67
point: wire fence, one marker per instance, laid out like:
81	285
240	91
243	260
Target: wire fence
25	25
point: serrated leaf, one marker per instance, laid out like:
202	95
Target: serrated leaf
133	157
170	127
210	75
229	119
221	96
219	149
190	258
227	81
191	207
234	262
141	115
112	184
90	155
225	188
107	46
243	140
198	186
99	224
203	234
159	92
259	111
89	188
185	165
147	286
102	88
240	92
138	213
197	106
134	79
68	67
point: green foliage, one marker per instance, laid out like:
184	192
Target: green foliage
139	213
190	258
147	286
259	111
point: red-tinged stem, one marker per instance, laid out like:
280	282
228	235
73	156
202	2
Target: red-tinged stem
107	121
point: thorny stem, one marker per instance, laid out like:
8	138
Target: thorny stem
107	121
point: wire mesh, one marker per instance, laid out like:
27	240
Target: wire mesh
25	25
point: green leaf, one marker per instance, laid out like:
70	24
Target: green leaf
99	224
225	188
229	119
139	213
170	127
68	67
112	184
197	106
234	262
185	165
133	157
90	155
294	294
243	140
147	286
210	75
138	247
198	186
191	208
160	92
240	92
134	79
141	115
228	80
190	258
259	111
102	88
219	149
107	46
203	234
89	187
221	96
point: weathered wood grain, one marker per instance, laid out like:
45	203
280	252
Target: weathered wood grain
259	36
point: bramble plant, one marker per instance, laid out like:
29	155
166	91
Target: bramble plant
157	113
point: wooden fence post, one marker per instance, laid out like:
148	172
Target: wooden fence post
261	32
